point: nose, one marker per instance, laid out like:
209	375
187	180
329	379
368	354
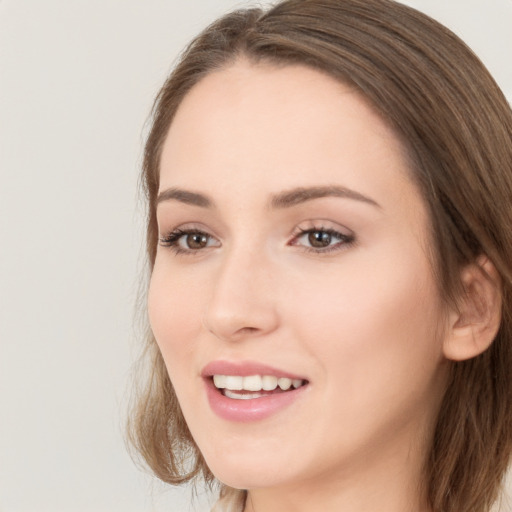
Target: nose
243	300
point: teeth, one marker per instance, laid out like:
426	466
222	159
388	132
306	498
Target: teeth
254	383
296	383
234	383
219	381
269	383
238	396
284	383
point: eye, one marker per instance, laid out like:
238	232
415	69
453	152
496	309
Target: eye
319	239
322	239
188	240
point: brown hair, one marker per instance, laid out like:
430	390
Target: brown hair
457	126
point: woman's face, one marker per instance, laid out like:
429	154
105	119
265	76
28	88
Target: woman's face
294	246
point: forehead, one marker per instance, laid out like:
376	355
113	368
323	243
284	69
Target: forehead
259	128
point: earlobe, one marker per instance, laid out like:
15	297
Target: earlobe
475	323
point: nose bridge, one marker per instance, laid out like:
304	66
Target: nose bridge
242	301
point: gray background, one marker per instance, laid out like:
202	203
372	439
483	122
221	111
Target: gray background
77	78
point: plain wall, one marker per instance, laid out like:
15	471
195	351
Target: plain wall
77	78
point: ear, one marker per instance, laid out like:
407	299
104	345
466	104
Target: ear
475	323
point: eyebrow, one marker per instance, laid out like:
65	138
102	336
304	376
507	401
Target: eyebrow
284	199
184	196
300	195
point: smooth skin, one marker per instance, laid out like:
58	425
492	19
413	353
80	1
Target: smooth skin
358	314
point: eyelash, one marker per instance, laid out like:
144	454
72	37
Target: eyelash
173	238
344	240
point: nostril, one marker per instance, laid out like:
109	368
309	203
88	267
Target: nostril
247	330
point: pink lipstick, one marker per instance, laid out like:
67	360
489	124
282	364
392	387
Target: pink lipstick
249	391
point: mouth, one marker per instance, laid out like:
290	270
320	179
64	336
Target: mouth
251	387
245	391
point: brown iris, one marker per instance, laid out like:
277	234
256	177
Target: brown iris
319	239
197	240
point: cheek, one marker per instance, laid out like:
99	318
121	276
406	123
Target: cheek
373	332
174	304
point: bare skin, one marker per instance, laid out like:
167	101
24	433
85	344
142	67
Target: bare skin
335	285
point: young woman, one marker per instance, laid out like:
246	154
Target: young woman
329	190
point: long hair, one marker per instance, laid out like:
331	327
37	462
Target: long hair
457	128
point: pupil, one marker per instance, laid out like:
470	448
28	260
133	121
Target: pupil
197	241
319	239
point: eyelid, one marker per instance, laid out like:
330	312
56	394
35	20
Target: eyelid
346	237
172	238
321	225
342	236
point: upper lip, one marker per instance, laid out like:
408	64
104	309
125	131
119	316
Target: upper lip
245	369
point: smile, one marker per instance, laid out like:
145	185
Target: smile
253	386
248	391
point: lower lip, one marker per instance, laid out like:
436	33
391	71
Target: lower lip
254	409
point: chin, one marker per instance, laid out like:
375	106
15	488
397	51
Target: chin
247	479
241	471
